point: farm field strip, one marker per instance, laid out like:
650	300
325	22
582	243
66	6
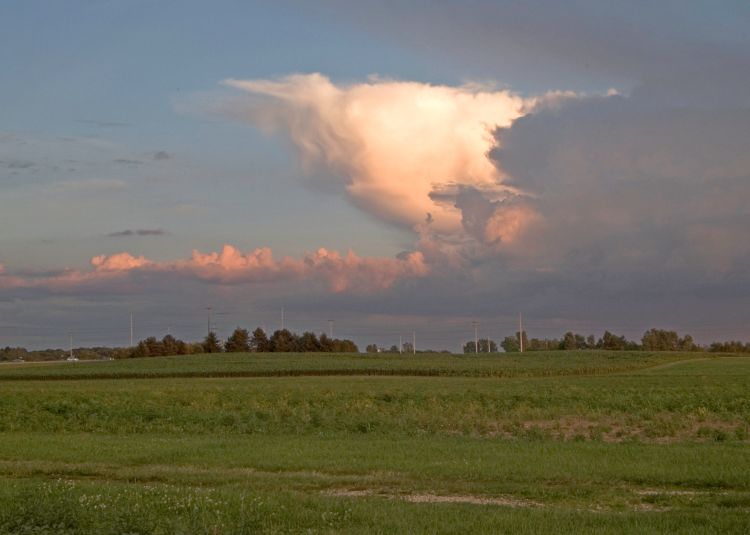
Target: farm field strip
282	364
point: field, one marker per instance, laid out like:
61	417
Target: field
548	442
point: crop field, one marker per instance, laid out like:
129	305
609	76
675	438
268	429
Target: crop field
559	442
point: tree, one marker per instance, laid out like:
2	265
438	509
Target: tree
372	348
344	346
408	347
569	342
238	342
308	342
211	343
610	341
687	344
169	345
326	344
282	341
487	346
660	340
393	349
259	341
484	346
155	347
510	344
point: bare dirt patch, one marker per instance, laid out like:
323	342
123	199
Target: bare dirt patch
505	501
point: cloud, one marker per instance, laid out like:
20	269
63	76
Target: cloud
17	164
389	144
337	272
630	184
138	232
162	155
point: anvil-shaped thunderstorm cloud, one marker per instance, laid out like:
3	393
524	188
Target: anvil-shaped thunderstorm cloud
402	151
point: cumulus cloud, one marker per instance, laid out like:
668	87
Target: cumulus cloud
389	144
339	273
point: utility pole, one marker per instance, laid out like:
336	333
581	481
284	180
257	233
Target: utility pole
414	342
400	344
330	329
520	331
71	346
131	329
209	321
476	338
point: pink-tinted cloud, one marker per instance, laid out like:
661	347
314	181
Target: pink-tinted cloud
338	273
390	143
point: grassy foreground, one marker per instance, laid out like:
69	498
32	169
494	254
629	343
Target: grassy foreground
556	443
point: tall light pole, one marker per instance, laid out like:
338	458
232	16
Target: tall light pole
414	342
476	338
520	331
400	344
330	329
70	346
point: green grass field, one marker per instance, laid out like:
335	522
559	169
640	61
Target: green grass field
563	442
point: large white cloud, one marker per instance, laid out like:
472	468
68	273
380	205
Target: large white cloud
389	144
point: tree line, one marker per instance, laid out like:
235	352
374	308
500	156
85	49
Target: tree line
242	341
284	340
652	340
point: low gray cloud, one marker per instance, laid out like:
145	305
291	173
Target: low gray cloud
138	232
631	184
15	164
162	155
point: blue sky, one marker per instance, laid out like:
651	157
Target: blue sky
114	118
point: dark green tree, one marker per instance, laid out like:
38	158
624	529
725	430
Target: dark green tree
612	342
238	341
308	343
510	344
282	341
326	344
155	347
259	342
169	344
569	342
211	343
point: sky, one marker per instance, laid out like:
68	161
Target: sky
401	169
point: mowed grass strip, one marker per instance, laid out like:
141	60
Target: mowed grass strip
300	364
89	508
525	484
